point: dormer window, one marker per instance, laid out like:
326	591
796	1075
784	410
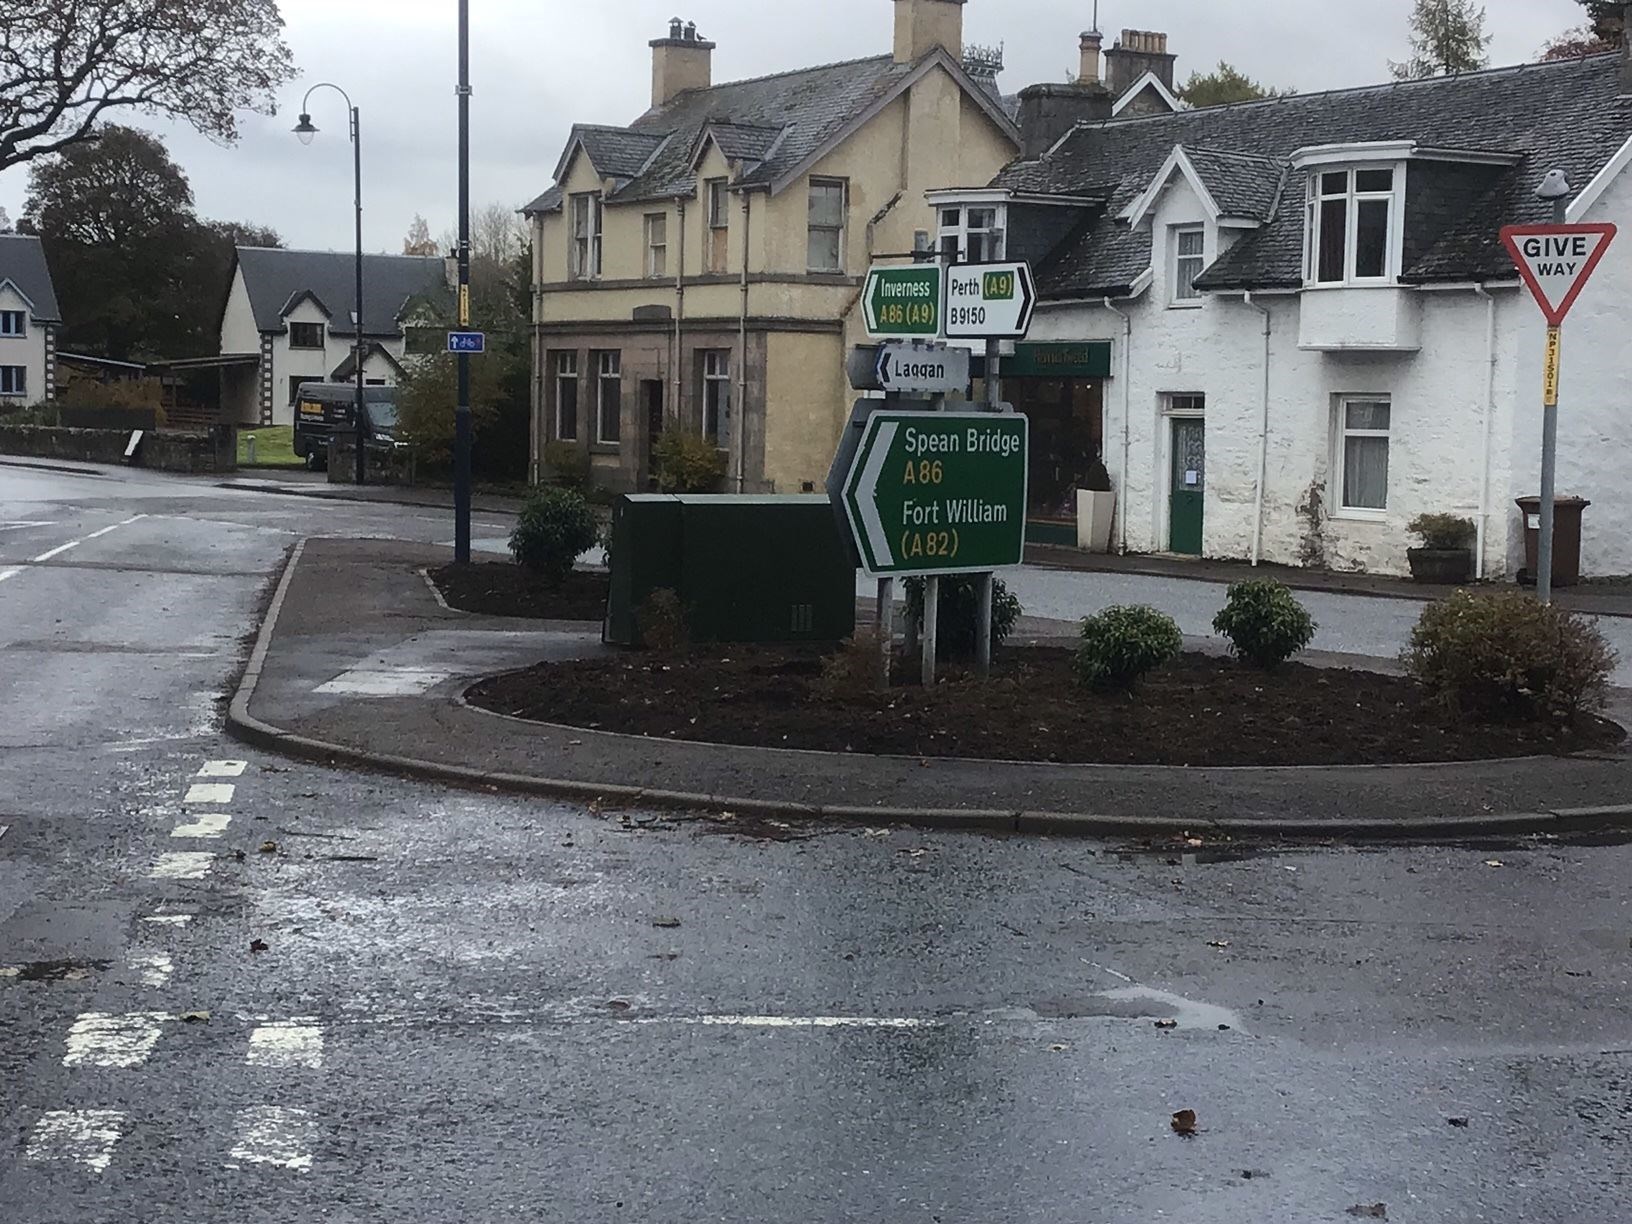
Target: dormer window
306	335
972	233
1352	225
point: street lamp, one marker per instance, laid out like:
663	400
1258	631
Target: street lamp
307	132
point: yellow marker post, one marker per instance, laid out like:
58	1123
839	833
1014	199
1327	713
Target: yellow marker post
464	305
1555	348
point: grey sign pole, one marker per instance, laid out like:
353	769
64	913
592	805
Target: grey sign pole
1555	188
988	582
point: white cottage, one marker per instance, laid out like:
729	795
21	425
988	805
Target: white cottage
29	319
290	316
1288	327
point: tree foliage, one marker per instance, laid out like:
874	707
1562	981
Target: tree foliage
65	63
419	241
1447	36
138	274
1224	85
1605	30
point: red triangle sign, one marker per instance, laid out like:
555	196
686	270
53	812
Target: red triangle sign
1556	261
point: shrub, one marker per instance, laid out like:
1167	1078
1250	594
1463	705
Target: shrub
959	604
1121	644
851	670
662	621
555	527
568	465
1507	655
1264	623
688	464
1444	531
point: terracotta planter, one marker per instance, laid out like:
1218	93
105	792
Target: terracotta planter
1441	566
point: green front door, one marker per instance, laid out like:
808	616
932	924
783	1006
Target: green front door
1189	485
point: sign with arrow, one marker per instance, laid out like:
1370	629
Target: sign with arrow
914	368
989	301
939	493
467	342
1556	261
904	301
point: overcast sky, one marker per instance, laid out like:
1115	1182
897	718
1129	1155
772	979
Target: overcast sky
540	65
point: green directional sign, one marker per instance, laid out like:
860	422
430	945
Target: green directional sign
939	493
904	301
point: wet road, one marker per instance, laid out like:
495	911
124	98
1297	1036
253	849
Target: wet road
477	1008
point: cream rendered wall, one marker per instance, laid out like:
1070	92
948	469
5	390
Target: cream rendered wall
804	384
27	350
1217	350
238	331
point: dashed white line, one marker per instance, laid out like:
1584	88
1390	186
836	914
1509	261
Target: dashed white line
10	573
223	769
155	968
205	824
182	865
274	1135
286	1043
797	1022
95	535
210	792
172	920
99	1039
82	1136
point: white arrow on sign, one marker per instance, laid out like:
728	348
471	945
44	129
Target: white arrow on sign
1556	261
912	367
872	526
989	301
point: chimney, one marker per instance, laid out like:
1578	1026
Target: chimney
923	25
1136	53
1092	41
1048	112
680	62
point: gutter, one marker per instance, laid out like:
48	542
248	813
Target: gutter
739	431
1263	439
1127	409
679	310
1485	431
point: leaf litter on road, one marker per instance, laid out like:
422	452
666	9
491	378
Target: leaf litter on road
1184	1122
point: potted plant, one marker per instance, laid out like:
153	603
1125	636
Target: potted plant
1446	555
1096	510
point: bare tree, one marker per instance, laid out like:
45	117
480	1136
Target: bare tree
63	63
419	240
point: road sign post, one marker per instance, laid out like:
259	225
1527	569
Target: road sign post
1556	262
989	301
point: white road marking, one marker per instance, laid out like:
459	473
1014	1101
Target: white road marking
378	682
270	1134
286	1043
1190	1013
797	1022
182	865
223	769
155	968
95	535
20	524
102	1040
11	573
175	920
206	824
210	792
83	1136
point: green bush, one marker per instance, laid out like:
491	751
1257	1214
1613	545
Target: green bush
957	618
1120	645
663	625
852	670
1508	655
1444	531
555	527
688	464
1264	622
568	465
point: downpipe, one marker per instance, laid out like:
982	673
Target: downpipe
1127	410
1485	430
1263	441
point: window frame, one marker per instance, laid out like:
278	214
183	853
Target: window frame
1175	298
963	232
562	375
602	359
656	226
714	375
322	338
19	381
22	325
1353	199
1340	465
586	221
841	229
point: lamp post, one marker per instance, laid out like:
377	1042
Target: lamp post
462	419
307	133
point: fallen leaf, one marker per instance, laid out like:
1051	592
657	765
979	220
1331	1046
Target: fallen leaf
1184	1122
238	856
1377	1211
877	832
1194	842
667	924
1058	1049
1218	943
1461	1122
1494	863
619	1005
1167	1024
259	945
269	847
194	1017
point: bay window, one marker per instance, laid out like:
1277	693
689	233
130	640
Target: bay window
972	233
1351	224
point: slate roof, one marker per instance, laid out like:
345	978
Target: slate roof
22	262
275	277
1566	114
616	152
784	119
742	141
1241	184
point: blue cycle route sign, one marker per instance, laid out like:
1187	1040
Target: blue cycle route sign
467	342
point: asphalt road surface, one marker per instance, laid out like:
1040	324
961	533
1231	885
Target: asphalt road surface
237	988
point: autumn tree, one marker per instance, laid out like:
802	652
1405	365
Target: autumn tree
419	240
1447	36
64	64
1224	85
1605	31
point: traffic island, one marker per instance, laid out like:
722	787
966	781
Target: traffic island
502	588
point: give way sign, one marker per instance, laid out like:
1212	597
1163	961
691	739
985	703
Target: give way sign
1556	261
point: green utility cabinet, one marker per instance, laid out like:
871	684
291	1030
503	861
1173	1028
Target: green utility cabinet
746	569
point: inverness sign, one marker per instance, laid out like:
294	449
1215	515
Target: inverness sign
1556	261
904	301
989	301
915	368
939	493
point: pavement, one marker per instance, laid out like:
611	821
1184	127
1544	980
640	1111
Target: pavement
474	1007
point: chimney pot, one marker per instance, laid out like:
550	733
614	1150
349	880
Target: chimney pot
1092	41
691	31
675	27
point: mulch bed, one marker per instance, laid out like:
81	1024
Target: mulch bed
499	588
1200	711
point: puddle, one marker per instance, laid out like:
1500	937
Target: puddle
53	970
